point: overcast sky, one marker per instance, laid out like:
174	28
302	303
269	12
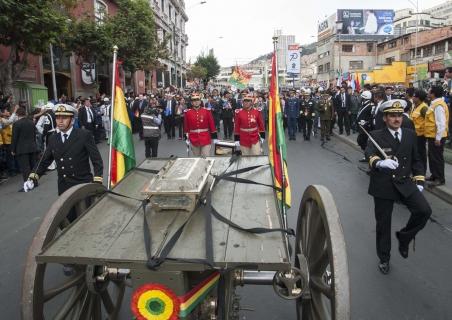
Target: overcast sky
241	30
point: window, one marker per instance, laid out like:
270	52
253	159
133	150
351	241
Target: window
327	67
406	40
370	47
440	48
163	5
390	60
356	64
428	51
427	23
392	44
347	48
100	11
320	68
170	12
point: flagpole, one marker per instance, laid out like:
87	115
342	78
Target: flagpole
112	111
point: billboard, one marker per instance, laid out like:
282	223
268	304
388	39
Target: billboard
326	27
365	22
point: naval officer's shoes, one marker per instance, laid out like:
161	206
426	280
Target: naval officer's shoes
403	246
384	267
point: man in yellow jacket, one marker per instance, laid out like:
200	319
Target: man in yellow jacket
436	132
419	110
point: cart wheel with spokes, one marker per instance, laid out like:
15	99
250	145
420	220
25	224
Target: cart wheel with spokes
47	293
320	248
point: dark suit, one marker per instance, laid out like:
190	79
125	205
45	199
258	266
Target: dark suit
138	107
72	159
169	117
344	105
23	145
387	186
83	119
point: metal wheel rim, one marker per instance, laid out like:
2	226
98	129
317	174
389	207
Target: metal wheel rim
85	304
320	239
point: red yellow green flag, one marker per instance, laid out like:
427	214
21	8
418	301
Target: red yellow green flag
123	151
240	78
276	139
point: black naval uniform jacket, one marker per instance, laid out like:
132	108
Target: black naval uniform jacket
72	159
390	184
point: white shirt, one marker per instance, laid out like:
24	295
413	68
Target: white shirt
89	112
440	120
394	131
68	133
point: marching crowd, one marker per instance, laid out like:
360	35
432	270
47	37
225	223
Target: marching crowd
202	117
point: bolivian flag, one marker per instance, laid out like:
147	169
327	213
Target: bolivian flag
123	151
276	138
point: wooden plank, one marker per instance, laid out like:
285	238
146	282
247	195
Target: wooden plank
255	206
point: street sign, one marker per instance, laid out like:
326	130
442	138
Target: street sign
293	59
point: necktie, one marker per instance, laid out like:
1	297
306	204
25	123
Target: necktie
396	137
343	100
90	115
64	137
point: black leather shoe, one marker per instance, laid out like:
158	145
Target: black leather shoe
384	267
363	160
403	246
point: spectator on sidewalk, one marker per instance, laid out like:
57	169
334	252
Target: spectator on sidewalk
23	144
418	117
436	132
354	110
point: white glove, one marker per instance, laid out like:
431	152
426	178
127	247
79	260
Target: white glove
29	185
388	164
187	142
362	122
262	140
237	144
421	188
215	141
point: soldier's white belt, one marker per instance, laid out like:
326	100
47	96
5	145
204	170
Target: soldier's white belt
248	129
199	130
146	116
150	128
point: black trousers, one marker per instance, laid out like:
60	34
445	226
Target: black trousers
343	119
227	127
420	212
151	146
436	159
306	125
170	127
362	140
26	163
180	125
422	150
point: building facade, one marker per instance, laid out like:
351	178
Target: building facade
405	21
443	10
170	19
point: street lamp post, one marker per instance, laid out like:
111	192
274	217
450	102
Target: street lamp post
416	5
52	67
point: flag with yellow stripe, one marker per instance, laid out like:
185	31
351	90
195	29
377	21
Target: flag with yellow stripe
123	151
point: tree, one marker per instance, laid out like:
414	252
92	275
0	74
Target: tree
196	72
133	31
27	27
210	64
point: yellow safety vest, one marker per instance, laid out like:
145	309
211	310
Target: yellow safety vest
430	124
418	119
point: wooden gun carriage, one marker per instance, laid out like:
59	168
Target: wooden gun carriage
106	251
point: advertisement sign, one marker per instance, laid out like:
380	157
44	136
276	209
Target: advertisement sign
365	22
327	27
293	59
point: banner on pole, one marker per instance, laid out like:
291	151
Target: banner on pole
293	59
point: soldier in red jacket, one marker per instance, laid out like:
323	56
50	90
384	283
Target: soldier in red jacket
249	130
199	128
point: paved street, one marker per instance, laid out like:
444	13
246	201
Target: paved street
416	288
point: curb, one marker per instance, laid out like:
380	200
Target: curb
441	192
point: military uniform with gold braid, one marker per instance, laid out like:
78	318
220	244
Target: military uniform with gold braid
397	178
72	156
